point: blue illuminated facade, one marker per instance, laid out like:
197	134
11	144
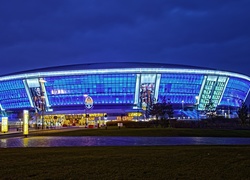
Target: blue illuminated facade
13	95
124	85
180	87
103	88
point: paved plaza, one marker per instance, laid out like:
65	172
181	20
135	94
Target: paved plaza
15	138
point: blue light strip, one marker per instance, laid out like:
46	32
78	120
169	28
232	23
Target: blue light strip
125	70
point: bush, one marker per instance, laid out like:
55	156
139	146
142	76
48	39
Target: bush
145	124
173	123
115	123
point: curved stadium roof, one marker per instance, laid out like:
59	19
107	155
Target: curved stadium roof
115	67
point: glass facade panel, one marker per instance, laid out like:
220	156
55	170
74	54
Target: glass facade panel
13	95
212	91
103	88
235	92
180	87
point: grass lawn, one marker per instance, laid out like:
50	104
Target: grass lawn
154	132
146	162
157	162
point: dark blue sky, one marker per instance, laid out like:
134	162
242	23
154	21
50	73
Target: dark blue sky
42	33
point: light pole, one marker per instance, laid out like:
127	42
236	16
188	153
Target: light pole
182	103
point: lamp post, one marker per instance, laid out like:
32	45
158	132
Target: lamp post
182	103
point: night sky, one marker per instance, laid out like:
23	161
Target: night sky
42	33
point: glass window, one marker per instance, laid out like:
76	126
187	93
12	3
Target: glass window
180	87
13	95
104	89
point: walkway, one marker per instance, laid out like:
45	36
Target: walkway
14	133
48	141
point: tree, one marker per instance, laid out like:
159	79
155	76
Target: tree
162	109
242	113
169	109
210	109
156	110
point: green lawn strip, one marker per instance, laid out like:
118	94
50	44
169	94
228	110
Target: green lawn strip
153	132
157	162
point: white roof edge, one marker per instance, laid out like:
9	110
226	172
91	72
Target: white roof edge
124	70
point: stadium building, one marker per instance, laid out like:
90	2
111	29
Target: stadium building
91	92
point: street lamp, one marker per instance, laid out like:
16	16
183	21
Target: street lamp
182	104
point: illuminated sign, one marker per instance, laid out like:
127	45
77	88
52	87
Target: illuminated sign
4	124
89	102
124	118
25	122
135	114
